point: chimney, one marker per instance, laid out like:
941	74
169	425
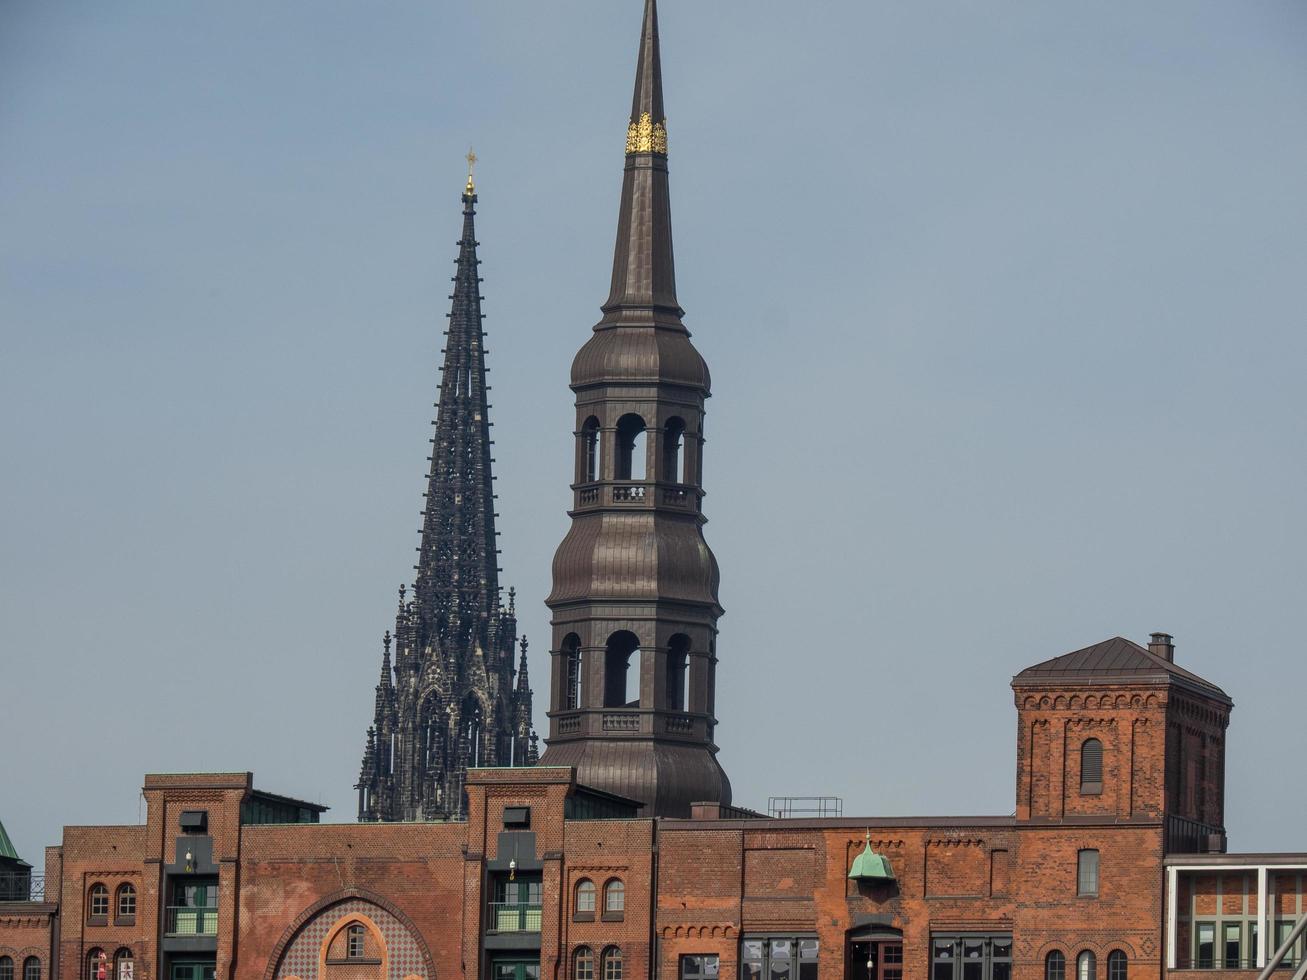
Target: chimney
1161	644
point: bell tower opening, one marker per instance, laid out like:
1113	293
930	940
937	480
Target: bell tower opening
678	662
630	448
673	434
621	683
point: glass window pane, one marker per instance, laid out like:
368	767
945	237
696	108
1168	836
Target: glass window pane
1206	945
1002	970
943	970
711	965
1233	931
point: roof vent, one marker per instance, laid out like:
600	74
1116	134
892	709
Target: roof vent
1161	645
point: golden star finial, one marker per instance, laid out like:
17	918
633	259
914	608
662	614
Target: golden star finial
471	169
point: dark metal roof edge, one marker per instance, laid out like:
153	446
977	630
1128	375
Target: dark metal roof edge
835	823
1086	678
278	798
1217	860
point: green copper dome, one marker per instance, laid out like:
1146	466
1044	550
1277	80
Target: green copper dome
870	866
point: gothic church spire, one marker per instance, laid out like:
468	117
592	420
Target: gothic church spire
453	703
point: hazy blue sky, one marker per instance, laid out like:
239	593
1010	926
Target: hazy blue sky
1004	304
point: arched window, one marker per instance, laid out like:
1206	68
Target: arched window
621	683
585	897
614	898
1086	966
612	963
125	907
31	968
124	964
1091	766
97	965
673	435
630	448
678	660
1055	966
6	968
590	450
1116	965
583	963
1087	872
97	902
571	654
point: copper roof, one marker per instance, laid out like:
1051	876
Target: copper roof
1116	659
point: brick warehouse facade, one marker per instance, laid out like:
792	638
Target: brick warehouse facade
621	857
1105	857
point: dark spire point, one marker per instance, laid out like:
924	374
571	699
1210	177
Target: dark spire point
649	70
644	271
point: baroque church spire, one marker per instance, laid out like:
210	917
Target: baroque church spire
644	271
452	703
634	597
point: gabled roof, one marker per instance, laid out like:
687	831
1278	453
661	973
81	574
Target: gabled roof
6	845
1115	660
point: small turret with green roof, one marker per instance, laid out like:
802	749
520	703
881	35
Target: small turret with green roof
870	866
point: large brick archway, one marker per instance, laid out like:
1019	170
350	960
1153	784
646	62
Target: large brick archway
300	954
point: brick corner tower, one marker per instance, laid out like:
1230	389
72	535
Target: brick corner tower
634	598
452	699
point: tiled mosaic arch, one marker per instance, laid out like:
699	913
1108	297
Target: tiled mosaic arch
297	954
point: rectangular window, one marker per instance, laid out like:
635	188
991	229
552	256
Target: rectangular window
942	959
778	958
1087	873
700	966
807	959
1205	941
1282	932
1233	935
977	957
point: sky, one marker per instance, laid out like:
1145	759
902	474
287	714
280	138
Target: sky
1003	304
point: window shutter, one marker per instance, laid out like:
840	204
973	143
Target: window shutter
1091	765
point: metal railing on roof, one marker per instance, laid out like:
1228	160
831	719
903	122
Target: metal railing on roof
786	807
22	886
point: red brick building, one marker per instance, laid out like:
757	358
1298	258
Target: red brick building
1111	868
620	856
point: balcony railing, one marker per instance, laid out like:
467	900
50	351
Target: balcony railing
185	920
22	886
1221	963
514	917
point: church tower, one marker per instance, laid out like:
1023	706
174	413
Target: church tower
634	598
451	699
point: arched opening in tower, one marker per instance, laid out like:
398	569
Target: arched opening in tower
631	460
571	654
673	434
621	683
590	460
678	661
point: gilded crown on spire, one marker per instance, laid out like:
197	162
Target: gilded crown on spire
646	136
